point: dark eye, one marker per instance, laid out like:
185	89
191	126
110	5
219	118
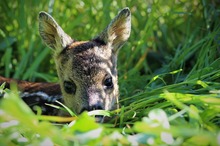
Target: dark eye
108	83
69	87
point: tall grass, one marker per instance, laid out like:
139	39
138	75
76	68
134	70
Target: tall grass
168	72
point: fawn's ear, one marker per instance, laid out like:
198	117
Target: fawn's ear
51	33
118	31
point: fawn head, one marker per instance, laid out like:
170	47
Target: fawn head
87	70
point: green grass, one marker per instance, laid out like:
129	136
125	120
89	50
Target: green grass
169	73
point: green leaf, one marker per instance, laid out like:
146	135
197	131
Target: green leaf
85	120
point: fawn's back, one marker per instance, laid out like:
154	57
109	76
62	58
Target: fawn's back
87	70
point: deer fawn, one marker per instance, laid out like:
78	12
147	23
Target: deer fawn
87	70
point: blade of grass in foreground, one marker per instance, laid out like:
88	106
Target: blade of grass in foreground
25	121
56	118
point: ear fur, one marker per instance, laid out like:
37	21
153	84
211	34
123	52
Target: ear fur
51	33
118	31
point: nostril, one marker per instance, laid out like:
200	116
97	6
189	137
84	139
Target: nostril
95	107
91	108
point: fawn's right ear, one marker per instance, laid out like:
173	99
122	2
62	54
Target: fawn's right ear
51	33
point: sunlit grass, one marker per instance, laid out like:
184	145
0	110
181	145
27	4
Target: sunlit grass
168	70
186	118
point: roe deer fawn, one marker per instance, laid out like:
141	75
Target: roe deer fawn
87	69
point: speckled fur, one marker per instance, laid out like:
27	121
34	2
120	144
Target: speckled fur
87	63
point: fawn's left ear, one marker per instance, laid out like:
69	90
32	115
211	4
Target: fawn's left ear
118	31
51	33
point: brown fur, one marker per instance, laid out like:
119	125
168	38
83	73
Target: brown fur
87	69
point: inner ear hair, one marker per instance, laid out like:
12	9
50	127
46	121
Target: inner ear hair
51	33
118	31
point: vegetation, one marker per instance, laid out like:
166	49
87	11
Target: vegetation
169	72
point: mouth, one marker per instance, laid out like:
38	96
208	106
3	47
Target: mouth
102	119
99	118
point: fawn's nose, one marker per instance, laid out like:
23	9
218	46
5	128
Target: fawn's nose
96	106
94	100
98	118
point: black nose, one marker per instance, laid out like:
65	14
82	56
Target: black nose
92	107
95	107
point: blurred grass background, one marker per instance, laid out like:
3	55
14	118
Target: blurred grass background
171	41
166	36
171	60
160	30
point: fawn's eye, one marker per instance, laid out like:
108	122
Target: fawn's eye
69	87
108	83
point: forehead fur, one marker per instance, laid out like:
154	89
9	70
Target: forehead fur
88	59
80	46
